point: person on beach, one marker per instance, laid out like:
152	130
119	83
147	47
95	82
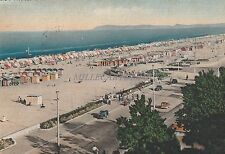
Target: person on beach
186	77
19	99
24	102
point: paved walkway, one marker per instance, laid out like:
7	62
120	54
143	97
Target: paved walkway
73	133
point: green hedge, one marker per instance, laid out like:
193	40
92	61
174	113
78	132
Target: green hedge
4	143
70	115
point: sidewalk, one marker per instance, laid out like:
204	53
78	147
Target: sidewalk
48	137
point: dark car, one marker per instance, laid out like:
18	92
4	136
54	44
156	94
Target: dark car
101	115
174	81
158	88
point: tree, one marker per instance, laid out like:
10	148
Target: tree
203	114
145	132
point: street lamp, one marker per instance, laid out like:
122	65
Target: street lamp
57	100
178	62
153	84
195	56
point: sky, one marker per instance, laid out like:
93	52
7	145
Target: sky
38	15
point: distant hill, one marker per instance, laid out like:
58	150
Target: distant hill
121	27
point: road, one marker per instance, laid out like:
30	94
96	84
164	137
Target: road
77	136
170	116
80	134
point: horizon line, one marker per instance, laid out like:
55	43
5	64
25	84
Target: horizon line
131	25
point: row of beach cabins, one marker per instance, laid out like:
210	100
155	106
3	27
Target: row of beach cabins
54	59
183	51
140	58
118	61
34	76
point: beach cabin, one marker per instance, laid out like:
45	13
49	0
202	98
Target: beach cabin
54	76
34	100
15	81
35	79
30	73
25	79
38	72
0	82
43	70
28	69
7	65
45	77
51	62
60	72
6	81
55	70
137	59
24	73
49	69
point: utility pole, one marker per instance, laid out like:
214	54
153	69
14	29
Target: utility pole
58	141
153	84
195	56
217	55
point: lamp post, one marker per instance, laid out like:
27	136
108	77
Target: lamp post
217	56
153	84
195	56
58	141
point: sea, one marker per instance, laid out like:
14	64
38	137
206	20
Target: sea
15	44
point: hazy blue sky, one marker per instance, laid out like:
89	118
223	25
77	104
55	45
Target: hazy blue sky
87	14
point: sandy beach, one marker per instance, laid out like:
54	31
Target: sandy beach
73	94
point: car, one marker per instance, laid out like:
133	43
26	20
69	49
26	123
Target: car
158	88
102	114
174	81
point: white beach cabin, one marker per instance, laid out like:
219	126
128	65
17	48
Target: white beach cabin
34	100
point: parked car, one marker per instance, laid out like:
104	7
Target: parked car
174	81
102	114
158	88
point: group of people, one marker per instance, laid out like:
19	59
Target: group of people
20	100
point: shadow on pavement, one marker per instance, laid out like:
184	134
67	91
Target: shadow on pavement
101	133
71	125
45	147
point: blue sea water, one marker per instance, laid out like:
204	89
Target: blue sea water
14	44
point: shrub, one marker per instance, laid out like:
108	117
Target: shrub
4	143
70	115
